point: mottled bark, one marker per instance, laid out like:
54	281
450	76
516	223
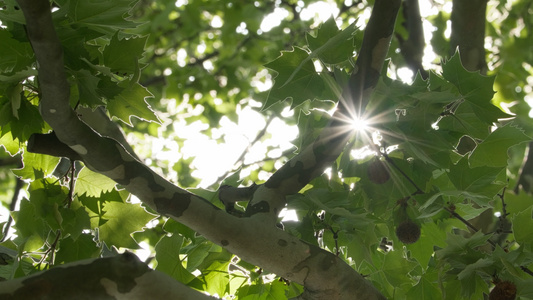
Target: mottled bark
324	275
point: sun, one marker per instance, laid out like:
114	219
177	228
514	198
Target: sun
359	124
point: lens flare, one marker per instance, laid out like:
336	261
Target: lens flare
359	124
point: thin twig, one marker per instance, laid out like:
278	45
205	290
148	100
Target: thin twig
50	251
72	183
525	269
241	157
468	224
390	161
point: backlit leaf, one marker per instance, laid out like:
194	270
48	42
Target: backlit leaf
121	220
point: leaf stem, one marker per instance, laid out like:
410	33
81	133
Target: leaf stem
468	224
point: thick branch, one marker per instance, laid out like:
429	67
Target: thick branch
468	33
413	48
49	144
255	242
119	277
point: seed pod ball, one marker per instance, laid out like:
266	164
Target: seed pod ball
504	290
378	172
408	232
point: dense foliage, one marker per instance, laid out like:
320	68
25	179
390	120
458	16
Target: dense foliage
431	197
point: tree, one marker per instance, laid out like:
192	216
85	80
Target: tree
431	197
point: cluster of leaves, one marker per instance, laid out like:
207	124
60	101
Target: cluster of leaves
434	136
446	162
78	214
70	213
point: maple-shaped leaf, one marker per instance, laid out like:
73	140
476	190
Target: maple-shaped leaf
481	180
130	103
304	84
87	85
19	116
331	45
475	88
92	184
102	15
122	56
168	258
492	151
36	166
14	55
121	220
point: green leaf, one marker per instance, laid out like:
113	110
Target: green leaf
423	290
71	250
31	230
168	258
87	85
465	121
476	88
459	245
431	236
395	267
92	184
305	84
107	16
332	45
48	196
36	166
14	55
273	291
492	151
523	228
217	278
121	220
122	55
10	144
75	219
479	179
479	266
22	118
173	226
131	103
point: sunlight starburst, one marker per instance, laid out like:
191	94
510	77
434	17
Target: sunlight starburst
359	124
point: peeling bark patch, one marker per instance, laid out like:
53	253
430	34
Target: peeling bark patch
326	263
224	243
57	283
136	169
282	243
262	206
174	206
314	253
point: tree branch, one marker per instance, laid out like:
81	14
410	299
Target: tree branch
254	241
119	277
49	144
468	33
413	48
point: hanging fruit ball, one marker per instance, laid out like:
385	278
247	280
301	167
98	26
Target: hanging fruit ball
504	290
378	172
408	232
